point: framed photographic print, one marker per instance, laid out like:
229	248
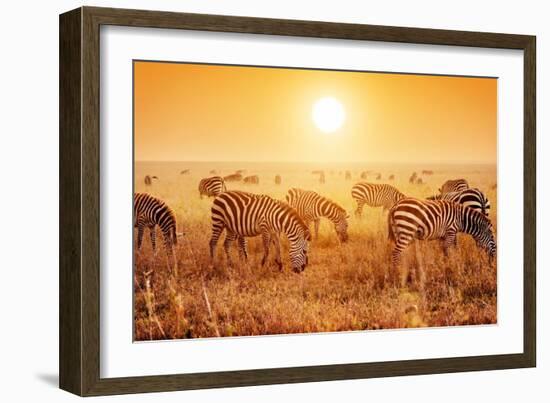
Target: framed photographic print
250	201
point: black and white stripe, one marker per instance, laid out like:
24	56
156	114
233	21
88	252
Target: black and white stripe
212	186
413	219
471	197
151	212
243	214
311	206
454	185
375	195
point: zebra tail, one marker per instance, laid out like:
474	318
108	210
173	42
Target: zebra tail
174	235
391	235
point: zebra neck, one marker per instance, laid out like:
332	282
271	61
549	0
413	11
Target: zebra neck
329	211
465	223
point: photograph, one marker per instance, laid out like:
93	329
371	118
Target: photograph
272	200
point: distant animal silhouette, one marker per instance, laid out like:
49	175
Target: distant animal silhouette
252	179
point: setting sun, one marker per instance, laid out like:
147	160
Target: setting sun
328	114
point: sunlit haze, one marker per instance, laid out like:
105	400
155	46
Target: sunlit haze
190	112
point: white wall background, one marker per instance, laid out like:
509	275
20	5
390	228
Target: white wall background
29	197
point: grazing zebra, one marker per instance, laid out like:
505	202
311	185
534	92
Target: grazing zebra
454	185
278	179
378	176
252	179
436	219
391	177
185	172
149	212
364	175
311	207
233	178
244	214
375	195
471	197
211	186
348	175
213	172
419	181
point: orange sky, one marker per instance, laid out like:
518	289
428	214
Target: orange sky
189	112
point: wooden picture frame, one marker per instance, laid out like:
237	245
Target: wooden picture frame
80	198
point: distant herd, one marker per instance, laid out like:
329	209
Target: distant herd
457	208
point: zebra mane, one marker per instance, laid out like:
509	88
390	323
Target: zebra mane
291	211
336	205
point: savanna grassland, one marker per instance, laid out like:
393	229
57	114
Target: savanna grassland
343	287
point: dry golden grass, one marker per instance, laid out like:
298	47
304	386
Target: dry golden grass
342	289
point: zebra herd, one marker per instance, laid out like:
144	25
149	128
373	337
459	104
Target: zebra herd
456	209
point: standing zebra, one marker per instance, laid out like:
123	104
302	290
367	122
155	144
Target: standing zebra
375	195
237	177
149	180
436	219
252	179
211	186
244	214
311	207
150	212
471	197
454	185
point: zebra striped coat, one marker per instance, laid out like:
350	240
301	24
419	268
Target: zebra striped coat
243	214
413	219
454	185
471	197
211	186
311	207
151	212
375	195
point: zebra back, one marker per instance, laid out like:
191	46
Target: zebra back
471	197
454	185
212	186
376	195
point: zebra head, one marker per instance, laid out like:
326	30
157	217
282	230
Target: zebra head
481	229
299	250
341	226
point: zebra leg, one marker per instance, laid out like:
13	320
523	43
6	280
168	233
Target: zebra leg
449	241
170	253
277	243
401	243
316	226
242	247
140	235
153	235
359	210
217	229
266	237
229	238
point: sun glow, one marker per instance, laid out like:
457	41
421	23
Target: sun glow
328	114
